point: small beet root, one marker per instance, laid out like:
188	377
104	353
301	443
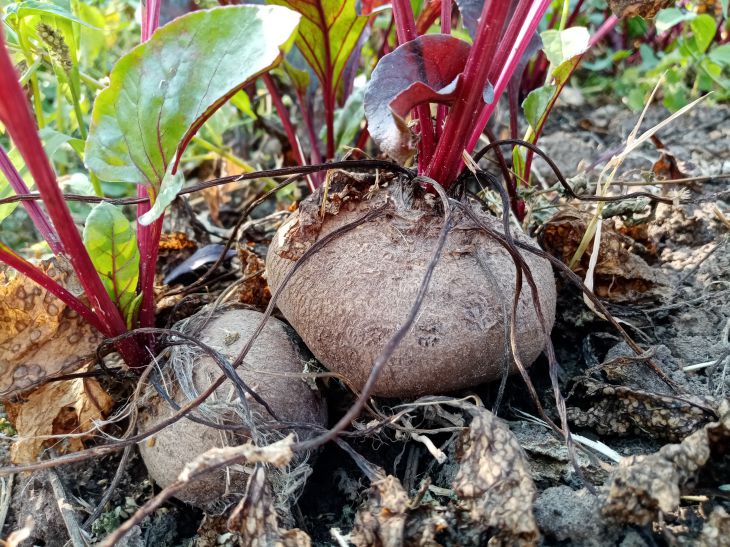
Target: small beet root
272	368
350	297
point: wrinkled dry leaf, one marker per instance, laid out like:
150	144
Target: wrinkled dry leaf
176	241
254	291
644	8
620	274
494	484
716	529
618	410
255	518
642	486
382	520
277	454
39	336
56	408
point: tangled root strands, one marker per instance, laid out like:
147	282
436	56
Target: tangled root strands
268	173
564	183
189	406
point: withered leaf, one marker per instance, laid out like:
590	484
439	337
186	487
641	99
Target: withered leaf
40	337
620	274
254	290
57	408
255	518
494	484
642	486
381	521
644	8
618	410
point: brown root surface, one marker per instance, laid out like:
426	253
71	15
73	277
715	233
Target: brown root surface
272	369
348	299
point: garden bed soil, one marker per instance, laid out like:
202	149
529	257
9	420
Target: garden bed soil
676	306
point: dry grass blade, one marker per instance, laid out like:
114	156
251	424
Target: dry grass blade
609	171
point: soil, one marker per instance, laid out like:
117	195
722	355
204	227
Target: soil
660	414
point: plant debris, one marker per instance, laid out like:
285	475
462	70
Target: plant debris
40	337
69	408
643	486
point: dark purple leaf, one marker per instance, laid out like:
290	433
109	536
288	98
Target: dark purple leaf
421	71
205	256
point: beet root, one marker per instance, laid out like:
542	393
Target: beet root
272	368
348	298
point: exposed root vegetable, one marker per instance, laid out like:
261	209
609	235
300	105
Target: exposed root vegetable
272	368
348	299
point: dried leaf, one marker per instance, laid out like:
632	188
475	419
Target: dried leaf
254	291
57	408
620	274
644	8
619	410
255	518
39	336
176	241
642	486
382	520
715	529
494	484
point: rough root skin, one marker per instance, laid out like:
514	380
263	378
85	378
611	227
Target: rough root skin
349	298
271	369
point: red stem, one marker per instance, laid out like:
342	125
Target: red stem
291	133
443	110
405	27
315	155
39	218
516	50
16	115
446	162
34	274
18	120
148	237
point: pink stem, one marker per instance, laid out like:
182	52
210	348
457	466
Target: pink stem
532	21
446	162
34	274
604	29
291	133
40	220
150	18
148	237
443	110
405	27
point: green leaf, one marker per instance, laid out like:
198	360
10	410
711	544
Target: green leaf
327	35
562	45
33	7
299	78
171	185
536	103
669	17
720	54
111	242
241	101
704	29
162	91
725	5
